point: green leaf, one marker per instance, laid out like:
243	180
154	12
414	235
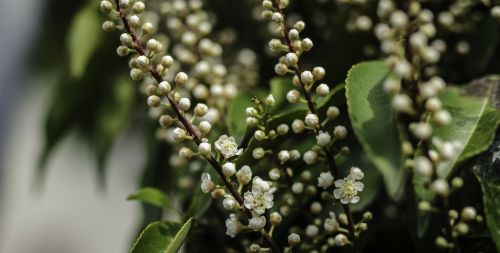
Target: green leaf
279	88
200	202
151	196
486	169
475	119
84	37
162	237
236	116
374	123
483	42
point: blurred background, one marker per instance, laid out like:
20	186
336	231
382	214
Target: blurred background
75	139
66	211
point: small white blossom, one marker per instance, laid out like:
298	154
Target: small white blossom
227	146
347	190
331	224
258	153
323	138
257	223
325	179
244	175
232	226
261	197
207	185
293	239
356	173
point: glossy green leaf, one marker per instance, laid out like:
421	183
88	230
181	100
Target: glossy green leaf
374	122
151	196
200	202
84	37
162	237
487	171
475	119
279	88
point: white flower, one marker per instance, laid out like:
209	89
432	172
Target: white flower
261	197
325	179
356	173
331	224
341	240
232	226
244	175
347	190
323	139
257	223
227	146
207	185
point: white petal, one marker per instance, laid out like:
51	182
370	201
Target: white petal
355	199
359	186
336	193
339	183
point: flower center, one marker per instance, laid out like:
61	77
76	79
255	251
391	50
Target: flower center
348	191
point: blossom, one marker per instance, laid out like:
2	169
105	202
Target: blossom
261	197
227	146
325	179
207	185
232	226
347	190
356	173
331	224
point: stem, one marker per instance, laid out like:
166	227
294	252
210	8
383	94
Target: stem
312	107
190	129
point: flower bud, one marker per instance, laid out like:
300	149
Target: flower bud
318	73
322	90
165	121
185	153
283	129
310	157
442	118
307	77
293	239
228	169
167	61
200	110
164	87
269	101
138	7
340	132
142	61
205	149
258	153
260	135
440	186
136	74
184	104
298	126
205	127
108	26
275	218
293	96
281	69
469	213
312	120
244	175
332	112
307	44
154	101
181	78
283	156
147	28
106	6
